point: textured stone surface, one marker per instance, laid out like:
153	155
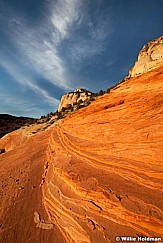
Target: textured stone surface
151	56
78	95
94	176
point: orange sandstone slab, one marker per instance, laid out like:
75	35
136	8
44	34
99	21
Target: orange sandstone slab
95	176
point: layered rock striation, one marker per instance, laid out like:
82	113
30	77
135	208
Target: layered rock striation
151	56
94	176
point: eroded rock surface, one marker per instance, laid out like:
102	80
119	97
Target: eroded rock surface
70	99
151	56
41	223
94	176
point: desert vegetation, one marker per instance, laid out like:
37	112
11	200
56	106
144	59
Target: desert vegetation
2	150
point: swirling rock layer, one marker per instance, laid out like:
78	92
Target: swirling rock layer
94	176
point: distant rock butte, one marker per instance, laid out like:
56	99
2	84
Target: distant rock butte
150	57
94	176
75	97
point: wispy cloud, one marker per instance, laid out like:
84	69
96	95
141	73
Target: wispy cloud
27	81
66	13
65	35
14	106
38	45
42	55
90	35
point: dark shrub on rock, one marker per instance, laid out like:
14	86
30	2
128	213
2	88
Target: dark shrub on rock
2	151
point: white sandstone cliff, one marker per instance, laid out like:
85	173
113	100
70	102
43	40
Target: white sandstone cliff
73	98
150	57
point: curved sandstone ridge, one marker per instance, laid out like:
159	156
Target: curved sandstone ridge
94	176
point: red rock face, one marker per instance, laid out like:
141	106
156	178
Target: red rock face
94	176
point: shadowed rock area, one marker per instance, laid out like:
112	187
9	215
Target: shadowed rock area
94	176
10	123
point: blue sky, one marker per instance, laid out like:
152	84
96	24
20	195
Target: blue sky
49	47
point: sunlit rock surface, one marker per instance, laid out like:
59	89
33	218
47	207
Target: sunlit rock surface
75	97
151	56
94	176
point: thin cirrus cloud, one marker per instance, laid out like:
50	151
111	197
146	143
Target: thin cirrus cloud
26	81
66	13
89	34
40	54
38	46
16	106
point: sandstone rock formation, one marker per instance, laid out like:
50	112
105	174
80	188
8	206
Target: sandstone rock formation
151	56
94	176
71	99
